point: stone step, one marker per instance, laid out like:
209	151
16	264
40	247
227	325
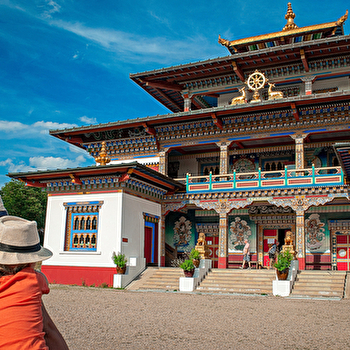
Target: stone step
319	284
317	294
163	278
313	287
236	290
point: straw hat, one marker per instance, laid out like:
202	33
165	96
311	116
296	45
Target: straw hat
19	242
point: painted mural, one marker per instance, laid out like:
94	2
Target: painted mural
182	233
239	231
315	233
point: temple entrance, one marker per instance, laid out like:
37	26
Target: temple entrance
151	243
271	236
343	251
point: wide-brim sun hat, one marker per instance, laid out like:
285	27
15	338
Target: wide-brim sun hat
20	242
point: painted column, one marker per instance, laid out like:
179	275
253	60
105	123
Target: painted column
224	160
300	236
162	240
223	237
163	162
308	83
187	102
299	150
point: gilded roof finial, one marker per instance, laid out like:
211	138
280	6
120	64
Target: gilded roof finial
342	19
102	157
290	15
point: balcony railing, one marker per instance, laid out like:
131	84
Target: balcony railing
287	178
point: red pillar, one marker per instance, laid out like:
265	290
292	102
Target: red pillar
223	262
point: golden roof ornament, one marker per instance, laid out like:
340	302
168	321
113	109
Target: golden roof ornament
342	19
290	19
102	157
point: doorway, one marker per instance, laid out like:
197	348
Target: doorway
151	243
270	237
343	252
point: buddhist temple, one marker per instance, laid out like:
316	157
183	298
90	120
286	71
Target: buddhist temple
256	143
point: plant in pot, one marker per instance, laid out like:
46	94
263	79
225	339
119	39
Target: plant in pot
196	257
120	261
282	264
188	268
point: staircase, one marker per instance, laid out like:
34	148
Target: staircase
310	283
238	281
158	278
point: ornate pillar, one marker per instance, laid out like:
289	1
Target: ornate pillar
187	102
223	238
163	162
299	150
308	83
224	160
300	236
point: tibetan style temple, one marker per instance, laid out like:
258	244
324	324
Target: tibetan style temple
257	144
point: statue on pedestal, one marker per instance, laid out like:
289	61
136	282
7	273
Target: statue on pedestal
202	246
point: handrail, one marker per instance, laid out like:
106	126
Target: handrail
264	179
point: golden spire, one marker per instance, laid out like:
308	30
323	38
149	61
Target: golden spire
290	19
102	158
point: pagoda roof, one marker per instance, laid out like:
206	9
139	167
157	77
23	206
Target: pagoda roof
170	85
76	175
289	34
79	135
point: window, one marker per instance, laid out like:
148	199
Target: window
82	226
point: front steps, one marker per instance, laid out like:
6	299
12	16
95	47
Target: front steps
311	283
238	281
160	278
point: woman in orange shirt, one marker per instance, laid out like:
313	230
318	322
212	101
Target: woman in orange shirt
24	321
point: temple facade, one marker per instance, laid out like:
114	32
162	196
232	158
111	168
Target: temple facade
256	144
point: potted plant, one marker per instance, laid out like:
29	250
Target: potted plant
282	265
195	256
120	261
188	268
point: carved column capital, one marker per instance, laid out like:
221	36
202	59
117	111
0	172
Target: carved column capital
300	203
221	206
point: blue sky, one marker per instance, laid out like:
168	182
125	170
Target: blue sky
66	63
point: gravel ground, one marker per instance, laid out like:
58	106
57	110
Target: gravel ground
97	318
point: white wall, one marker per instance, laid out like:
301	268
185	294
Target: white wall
133	229
121	216
108	238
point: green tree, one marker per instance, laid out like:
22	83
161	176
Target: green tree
26	202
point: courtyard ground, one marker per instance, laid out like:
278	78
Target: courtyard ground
104	318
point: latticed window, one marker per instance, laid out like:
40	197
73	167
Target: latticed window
82	225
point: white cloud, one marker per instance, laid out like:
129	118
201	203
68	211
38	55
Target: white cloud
131	45
44	163
51	8
17	129
7	126
88	120
44	127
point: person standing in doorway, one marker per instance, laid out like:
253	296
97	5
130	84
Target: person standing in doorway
246	254
273	253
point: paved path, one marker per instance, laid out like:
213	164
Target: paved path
97	318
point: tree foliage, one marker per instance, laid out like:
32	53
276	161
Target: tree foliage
26	202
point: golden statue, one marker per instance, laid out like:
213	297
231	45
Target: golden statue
274	95
240	99
202	246
289	243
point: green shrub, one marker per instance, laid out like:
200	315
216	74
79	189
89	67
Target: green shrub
119	259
